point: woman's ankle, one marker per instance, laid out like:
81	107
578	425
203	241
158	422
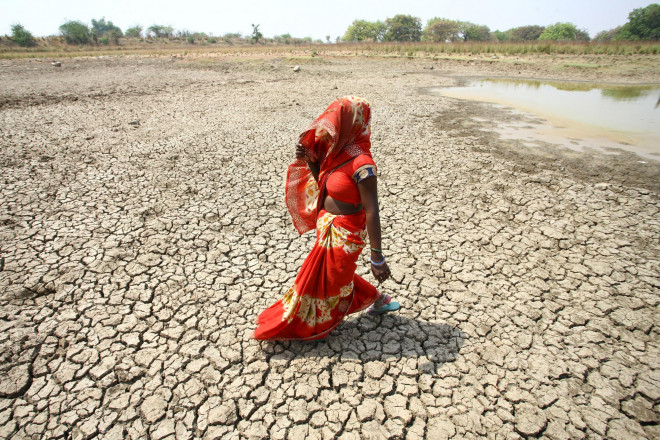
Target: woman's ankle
381	301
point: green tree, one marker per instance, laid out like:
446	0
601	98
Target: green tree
22	36
605	36
134	32
75	32
563	32
441	30
160	31
643	24
256	34
361	30
502	35
284	38
403	28
101	27
582	35
474	32
526	33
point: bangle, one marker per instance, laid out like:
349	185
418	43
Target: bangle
380	251
378	264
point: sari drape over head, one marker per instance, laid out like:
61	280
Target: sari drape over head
342	131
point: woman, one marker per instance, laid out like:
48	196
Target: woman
331	186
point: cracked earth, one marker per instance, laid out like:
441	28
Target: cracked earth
142	229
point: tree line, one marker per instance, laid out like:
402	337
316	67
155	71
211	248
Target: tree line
643	24
106	32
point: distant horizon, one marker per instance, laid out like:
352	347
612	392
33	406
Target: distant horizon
297	18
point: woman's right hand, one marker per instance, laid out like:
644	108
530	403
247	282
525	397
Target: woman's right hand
301	152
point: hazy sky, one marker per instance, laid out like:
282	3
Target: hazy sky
307	18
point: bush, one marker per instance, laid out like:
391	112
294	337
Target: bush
75	32
563	32
102	28
134	32
114	36
526	33
159	31
474	32
191	39
22	36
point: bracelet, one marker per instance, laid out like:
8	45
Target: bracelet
380	251
377	264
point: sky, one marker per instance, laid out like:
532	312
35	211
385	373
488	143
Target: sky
306	18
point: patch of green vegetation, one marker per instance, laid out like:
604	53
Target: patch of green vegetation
582	65
305	59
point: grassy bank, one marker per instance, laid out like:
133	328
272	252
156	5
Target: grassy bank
48	48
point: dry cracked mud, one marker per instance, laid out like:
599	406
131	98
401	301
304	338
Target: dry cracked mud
142	229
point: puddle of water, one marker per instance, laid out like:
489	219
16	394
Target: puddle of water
580	115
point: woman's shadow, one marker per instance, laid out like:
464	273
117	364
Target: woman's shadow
368	338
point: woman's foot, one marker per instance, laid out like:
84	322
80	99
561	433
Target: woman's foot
383	305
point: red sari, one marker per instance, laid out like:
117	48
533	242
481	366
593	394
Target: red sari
327	287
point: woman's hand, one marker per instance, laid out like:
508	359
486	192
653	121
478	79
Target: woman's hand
301	152
381	273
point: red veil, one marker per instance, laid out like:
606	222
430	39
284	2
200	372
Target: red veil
341	132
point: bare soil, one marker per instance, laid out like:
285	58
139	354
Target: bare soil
142	229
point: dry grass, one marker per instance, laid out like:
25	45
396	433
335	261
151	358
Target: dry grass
55	47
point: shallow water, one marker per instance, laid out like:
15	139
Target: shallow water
580	115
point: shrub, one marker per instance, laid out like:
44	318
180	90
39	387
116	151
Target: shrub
114	35
563	32
75	32
159	31
22	36
474	32
134	32
102	28
526	33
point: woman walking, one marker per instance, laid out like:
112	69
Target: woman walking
332	187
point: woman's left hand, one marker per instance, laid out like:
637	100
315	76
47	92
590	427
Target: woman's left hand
381	273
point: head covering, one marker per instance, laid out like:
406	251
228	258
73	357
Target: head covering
340	133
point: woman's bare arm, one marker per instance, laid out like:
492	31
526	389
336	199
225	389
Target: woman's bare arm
369	194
